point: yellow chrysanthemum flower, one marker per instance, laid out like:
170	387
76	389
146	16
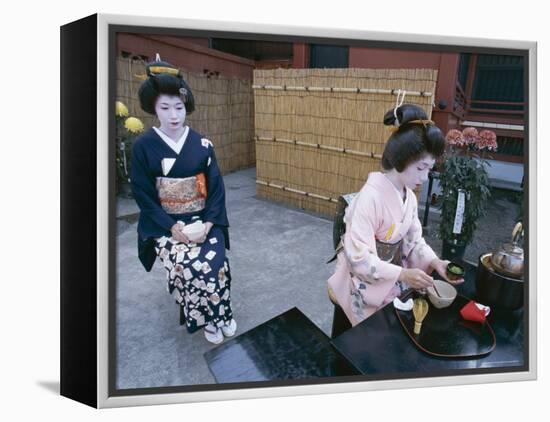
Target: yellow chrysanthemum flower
134	125
120	109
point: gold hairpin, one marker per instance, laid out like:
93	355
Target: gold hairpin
421	122
393	129
164	69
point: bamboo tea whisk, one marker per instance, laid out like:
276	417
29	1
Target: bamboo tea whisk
420	310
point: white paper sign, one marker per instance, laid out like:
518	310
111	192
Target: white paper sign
459	215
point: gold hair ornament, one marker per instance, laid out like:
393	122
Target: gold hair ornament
163	69
422	122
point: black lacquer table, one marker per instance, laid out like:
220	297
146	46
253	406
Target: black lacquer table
286	347
379	345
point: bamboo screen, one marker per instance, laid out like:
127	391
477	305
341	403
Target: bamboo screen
223	111
319	132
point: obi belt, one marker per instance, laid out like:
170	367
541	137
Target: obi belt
389	252
182	195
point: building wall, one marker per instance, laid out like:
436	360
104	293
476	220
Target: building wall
377	58
191	54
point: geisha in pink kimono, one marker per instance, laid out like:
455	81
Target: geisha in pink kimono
382	252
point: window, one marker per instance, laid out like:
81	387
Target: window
510	146
498	79
328	56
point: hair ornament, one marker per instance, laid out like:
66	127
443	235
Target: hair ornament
156	70
393	129
162	67
183	94
421	122
398	103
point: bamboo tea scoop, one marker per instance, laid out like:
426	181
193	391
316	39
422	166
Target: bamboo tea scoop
420	310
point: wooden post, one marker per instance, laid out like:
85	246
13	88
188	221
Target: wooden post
446	89
470	82
300	57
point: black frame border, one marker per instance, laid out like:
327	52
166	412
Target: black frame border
78	210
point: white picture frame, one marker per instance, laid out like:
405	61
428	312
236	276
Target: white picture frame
99	394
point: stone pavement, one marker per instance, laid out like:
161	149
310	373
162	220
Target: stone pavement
277	261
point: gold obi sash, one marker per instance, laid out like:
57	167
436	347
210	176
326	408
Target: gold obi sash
182	195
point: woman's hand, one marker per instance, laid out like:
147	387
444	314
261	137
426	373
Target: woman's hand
416	278
178	235
440	266
207	226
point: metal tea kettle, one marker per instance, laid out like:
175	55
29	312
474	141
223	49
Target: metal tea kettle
508	260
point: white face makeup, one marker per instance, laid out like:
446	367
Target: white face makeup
171	113
416	173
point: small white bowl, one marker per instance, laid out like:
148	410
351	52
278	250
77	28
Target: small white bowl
447	292
194	231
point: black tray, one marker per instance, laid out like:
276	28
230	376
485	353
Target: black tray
289	346
446	334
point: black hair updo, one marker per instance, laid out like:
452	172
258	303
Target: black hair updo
413	138
164	79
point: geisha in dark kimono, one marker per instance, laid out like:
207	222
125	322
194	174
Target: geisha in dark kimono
176	182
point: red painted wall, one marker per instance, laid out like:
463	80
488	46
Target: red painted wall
300	56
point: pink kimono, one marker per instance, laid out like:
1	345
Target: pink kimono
383	235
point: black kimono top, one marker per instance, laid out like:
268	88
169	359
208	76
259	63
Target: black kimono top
158	172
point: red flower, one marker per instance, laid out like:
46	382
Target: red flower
470	135
454	137
487	139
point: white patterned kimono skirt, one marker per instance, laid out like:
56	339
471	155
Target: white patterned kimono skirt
198	278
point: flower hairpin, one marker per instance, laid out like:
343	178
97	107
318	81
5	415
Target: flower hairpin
183	94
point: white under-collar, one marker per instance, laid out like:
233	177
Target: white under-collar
175	145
